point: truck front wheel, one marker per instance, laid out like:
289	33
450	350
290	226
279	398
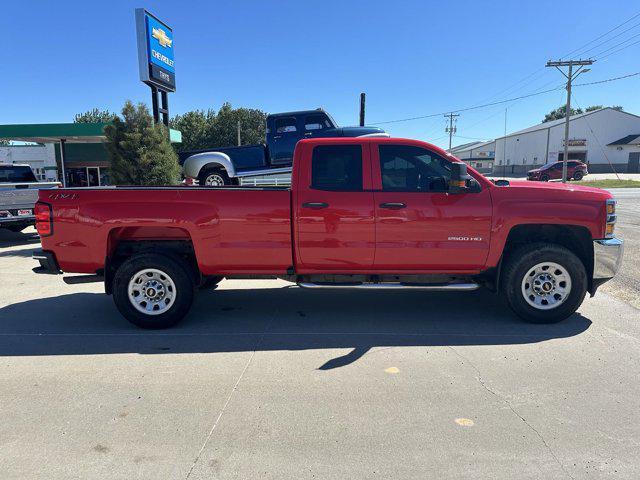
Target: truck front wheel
153	291
544	283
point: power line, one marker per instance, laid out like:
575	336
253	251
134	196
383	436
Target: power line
620	49
471	138
468	108
617	45
603	35
475	107
609	39
607	80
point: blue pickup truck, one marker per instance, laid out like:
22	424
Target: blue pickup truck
228	165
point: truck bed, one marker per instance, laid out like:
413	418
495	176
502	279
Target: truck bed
232	230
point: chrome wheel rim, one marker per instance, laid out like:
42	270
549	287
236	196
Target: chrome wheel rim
214	180
152	291
546	286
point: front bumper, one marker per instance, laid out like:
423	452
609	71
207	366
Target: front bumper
607	257
48	262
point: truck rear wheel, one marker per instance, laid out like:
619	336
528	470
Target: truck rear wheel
544	283
153	291
214	177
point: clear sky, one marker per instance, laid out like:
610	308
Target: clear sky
412	58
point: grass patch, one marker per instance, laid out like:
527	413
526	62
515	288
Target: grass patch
611	183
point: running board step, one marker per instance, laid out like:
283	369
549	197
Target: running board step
78	279
437	287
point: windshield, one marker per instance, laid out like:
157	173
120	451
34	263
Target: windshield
16	174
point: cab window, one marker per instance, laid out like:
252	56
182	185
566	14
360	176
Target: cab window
337	168
315	122
407	168
285	125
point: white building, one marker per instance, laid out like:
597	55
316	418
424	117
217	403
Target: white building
41	158
592	139
479	155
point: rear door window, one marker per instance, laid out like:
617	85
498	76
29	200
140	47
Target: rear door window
337	168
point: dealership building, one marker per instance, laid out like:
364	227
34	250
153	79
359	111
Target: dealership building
479	155
605	139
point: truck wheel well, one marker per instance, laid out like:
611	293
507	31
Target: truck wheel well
573	237
213	166
181	250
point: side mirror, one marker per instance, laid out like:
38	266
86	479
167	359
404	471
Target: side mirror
459	178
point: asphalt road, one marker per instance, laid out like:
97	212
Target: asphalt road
626	285
265	380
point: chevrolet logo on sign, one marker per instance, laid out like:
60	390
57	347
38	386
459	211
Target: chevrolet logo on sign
162	37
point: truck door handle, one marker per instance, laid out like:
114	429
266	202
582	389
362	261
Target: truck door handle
393	205
316	205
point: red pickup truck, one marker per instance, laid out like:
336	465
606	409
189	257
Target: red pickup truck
364	213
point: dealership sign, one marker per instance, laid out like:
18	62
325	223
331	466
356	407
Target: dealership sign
155	51
576	142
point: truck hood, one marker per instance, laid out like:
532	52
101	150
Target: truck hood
358	131
547	187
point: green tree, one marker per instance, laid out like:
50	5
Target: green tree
210	129
225	127
560	112
94	116
140	151
195	127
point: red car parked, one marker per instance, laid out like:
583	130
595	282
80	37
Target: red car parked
576	170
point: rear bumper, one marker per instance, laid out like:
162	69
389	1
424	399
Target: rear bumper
26	219
48	262
607	257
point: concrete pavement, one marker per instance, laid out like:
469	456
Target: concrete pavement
265	380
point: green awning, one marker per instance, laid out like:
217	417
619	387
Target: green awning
70	132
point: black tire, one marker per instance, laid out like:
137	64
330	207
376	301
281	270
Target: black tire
175	269
210	282
544	178
214	174
578	176
519	263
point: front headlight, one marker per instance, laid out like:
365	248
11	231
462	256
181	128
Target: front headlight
611	218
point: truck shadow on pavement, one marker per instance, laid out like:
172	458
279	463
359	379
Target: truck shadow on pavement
271	319
11	239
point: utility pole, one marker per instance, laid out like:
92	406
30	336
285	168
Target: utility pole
451	129
239	142
504	147
362	100
570	75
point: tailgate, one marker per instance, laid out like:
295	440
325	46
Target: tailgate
13	196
